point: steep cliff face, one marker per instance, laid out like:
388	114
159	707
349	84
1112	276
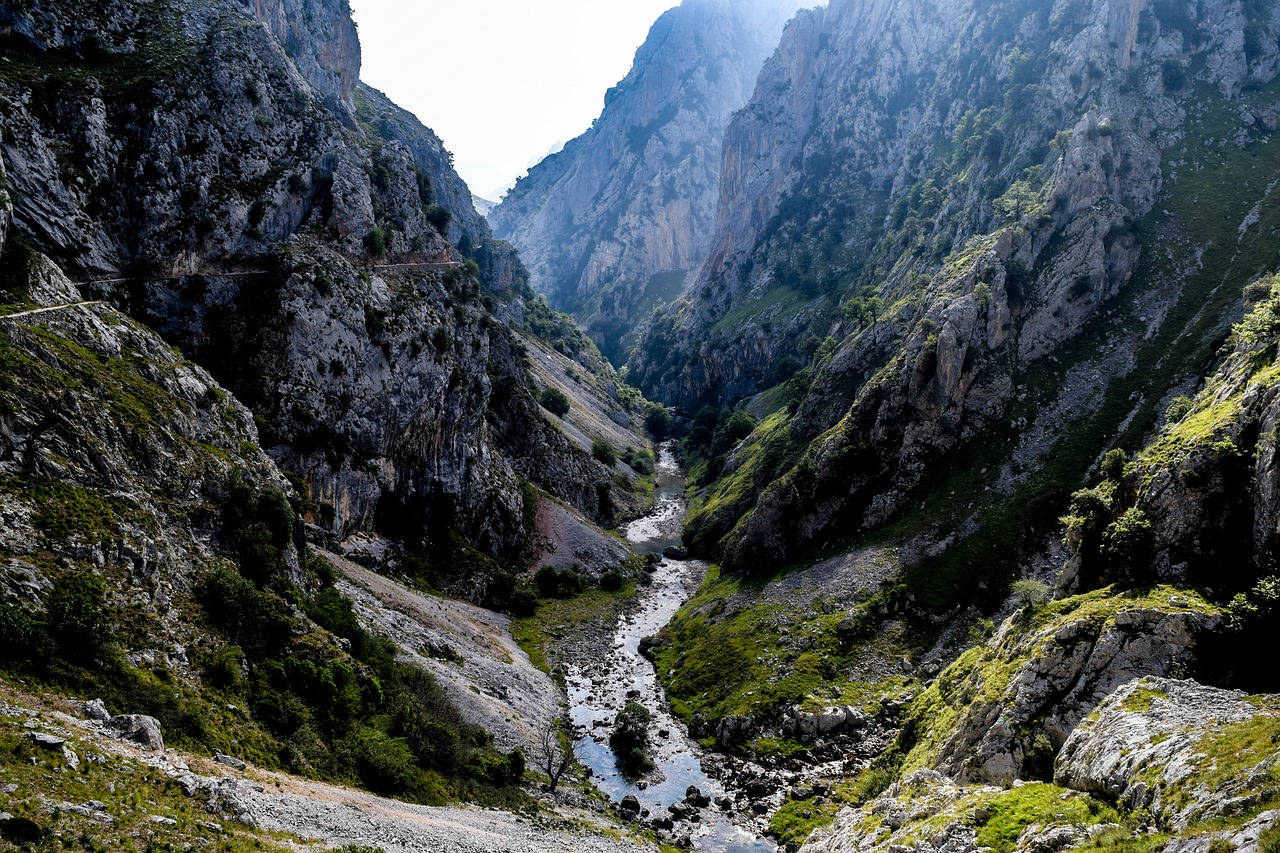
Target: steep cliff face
994	214
321	39
219	175
614	224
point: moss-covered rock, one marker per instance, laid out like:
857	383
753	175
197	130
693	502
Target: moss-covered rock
1002	711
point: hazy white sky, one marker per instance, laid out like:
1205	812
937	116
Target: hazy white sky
501	81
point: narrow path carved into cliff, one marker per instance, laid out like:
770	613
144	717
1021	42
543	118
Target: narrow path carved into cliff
34	311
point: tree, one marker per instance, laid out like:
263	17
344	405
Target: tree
554	752
554	401
1030	593
630	737
657	420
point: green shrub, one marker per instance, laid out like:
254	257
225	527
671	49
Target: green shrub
629	738
657	420
1113	465
1029	592
557	583
76	620
384	763
554	401
602	451
375	242
612	580
1178	408
24	639
259	525
439	217
523	601
1125	543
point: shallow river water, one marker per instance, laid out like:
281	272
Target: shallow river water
600	690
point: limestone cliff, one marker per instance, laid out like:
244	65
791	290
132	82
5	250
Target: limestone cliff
614	224
968	222
214	170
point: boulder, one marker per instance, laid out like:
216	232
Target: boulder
694	797
139	729
630	804
97	711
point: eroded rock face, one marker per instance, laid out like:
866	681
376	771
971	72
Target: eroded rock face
616	222
867	198
321	39
1154	744
1020	698
219	187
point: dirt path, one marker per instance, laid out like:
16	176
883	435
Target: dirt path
308	812
338	816
18	314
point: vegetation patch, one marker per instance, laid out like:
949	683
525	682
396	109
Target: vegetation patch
1011	812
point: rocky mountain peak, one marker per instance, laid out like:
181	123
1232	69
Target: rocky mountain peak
616	222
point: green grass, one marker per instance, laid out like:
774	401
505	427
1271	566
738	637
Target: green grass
749	658
1014	810
39	772
594	606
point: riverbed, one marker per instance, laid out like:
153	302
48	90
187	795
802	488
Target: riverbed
599	689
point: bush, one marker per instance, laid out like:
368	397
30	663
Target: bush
384	763
523	601
640	461
1125	543
24	640
1178	408
259	525
603	452
439	217
612	580
1029	592
375	242
557	583
629	738
1113	465
77	623
554	401
657	420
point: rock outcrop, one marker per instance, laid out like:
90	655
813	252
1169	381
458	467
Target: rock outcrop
221	177
1189	753
1002	711
615	224
321	39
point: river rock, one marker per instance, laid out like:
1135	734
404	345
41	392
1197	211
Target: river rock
675	552
694	797
629	805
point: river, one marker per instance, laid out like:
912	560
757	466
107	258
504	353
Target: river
599	691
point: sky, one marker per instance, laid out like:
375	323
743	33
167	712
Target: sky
503	82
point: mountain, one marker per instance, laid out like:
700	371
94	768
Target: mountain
614	224
250	325
218	173
977	382
968	253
